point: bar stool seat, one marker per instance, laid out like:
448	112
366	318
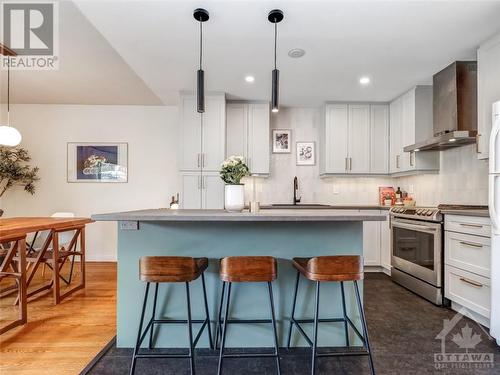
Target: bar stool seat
248	269
163	269
338	268
245	269
168	269
330	268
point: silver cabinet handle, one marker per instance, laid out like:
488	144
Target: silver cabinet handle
412	158
203	182
198	159
397	161
465	280
346	164
199	182
471	225
471	244
477	143
203	160
249	160
350	164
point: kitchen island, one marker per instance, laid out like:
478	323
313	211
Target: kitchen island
283	234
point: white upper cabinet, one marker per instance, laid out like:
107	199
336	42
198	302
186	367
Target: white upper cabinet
379	139
247	134
354	139
359	138
335	149
203	136
411	122
488	91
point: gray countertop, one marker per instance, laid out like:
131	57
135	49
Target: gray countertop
466	212
275	215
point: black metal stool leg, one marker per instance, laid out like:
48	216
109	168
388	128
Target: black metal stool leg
218	330
138	342
224	330
207	314
275	332
190	330
344	310
154	316
293	310
363	324
315	339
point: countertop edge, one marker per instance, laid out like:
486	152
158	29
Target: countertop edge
478	213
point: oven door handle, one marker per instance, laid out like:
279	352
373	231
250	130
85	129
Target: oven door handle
417	227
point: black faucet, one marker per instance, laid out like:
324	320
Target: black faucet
295	191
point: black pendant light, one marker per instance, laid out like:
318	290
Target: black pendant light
275	16
201	15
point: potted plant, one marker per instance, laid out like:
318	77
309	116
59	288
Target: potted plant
14	170
232	171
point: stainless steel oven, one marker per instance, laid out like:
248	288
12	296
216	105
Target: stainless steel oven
417	251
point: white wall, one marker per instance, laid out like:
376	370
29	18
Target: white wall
151	133
462	179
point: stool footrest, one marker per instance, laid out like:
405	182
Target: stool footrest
252	321
160	355
250	355
343	354
177	321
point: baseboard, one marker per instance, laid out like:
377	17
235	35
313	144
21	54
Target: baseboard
470	314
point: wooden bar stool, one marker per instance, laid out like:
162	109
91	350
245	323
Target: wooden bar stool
327	269
166	269
244	270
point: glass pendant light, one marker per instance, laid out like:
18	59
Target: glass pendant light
275	16
9	136
201	15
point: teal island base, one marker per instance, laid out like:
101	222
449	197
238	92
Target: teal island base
215	240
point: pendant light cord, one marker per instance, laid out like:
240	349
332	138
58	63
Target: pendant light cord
201	44
275	40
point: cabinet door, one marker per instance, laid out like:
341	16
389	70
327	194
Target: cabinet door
379	139
213	192
336	138
395	125
190	135
371	241
214	132
236	129
359	138
488	91
258	138
408	135
191	191
385	242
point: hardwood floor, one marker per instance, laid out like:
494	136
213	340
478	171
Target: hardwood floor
61	339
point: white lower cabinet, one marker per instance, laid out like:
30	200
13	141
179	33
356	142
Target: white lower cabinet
371	240
202	191
467	258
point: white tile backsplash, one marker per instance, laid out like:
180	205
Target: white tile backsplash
462	179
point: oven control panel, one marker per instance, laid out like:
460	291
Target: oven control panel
418	213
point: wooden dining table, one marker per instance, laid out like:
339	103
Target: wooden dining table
20	262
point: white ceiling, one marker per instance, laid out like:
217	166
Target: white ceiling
397	43
91	71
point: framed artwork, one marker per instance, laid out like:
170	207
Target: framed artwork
306	153
97	162
282	141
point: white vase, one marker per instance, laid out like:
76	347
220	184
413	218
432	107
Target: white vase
234	198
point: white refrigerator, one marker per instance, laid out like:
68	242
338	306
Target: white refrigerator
494	207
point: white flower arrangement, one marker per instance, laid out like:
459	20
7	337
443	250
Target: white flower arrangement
233	170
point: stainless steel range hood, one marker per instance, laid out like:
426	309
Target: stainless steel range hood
454	108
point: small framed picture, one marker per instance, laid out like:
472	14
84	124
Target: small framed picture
282	141
97	162
306	153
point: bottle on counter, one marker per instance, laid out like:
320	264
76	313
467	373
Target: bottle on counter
399	197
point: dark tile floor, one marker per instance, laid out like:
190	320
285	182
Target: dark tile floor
402	327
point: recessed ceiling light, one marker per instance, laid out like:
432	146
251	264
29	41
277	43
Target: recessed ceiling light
452	140
364	80
417	150
250	79
275	110
296	53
